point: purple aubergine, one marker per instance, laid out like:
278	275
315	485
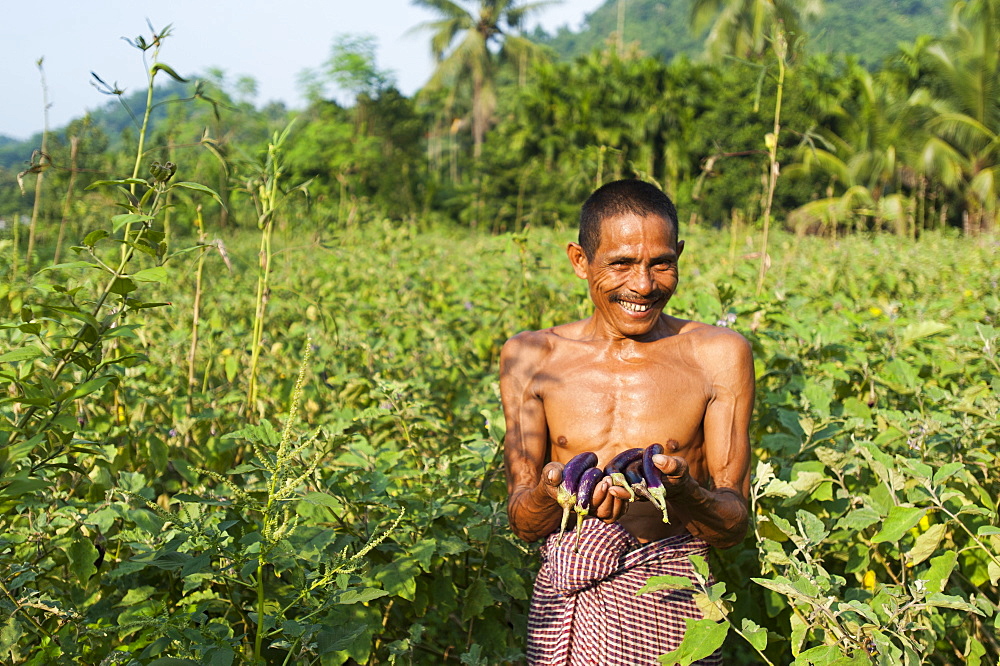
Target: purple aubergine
654	481
636	482
585	496
574	469
616	469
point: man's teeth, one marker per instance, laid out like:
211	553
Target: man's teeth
634	307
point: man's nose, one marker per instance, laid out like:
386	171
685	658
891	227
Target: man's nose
642	280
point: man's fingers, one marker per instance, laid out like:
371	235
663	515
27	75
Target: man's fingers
671	465
609	501
553	473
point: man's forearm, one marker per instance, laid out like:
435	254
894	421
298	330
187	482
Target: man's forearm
532	517
719	516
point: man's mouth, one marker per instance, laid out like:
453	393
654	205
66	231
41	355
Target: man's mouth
638	305
635	307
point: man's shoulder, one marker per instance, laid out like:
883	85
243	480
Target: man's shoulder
707	334
525	350
717	348
531	348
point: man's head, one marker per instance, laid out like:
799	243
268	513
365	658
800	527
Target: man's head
628	253
619	198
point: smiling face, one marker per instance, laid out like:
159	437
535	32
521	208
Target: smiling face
632	274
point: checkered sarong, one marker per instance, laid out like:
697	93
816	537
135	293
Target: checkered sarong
585	611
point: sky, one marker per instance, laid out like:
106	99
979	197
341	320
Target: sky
269	40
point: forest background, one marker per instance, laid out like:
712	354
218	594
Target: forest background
172	262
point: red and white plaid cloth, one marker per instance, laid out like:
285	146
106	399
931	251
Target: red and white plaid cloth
585	611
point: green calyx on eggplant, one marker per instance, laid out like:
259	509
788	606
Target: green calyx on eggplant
584	498
572	473
616	469
654	479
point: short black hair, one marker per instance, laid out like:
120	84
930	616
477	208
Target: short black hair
617	198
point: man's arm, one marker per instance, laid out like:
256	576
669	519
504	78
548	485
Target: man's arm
531	484
720	515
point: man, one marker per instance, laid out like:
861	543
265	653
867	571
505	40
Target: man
626	376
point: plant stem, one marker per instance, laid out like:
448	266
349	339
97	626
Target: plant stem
781	50
196	311
74	148
43	162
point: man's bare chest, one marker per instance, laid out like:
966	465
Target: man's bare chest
609	406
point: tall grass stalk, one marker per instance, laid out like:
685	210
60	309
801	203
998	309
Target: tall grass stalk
43	163
780	45
74	150
264	187
196	310
151	72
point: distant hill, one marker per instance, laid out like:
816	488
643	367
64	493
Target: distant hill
869	29
111	118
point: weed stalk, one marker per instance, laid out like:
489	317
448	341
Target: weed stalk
780	44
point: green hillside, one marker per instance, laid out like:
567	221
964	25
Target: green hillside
869	29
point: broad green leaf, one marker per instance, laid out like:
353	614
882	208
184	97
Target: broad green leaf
71	264
701	639
122	286
784	586
921	329
423	552
858	519
754	634
667	582
975	652
335	639
398	577
86	388
899	520
200	188
946	471
709	609
94	236
925	544
477	598
155	274
814	529
358	595
940	570
994	572
322	499
779	488
22	354
700	566
82	554
830	655
121	181
119	221
219	657
951	601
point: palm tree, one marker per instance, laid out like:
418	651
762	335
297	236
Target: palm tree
469	45
965	98
741	28
869	133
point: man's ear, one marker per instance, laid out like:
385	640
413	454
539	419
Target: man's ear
680	248
578	258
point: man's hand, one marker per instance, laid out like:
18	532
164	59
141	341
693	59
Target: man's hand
677	480
608	501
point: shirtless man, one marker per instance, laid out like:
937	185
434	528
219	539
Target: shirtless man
627	376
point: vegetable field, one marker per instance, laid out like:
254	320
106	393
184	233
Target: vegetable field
205	462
